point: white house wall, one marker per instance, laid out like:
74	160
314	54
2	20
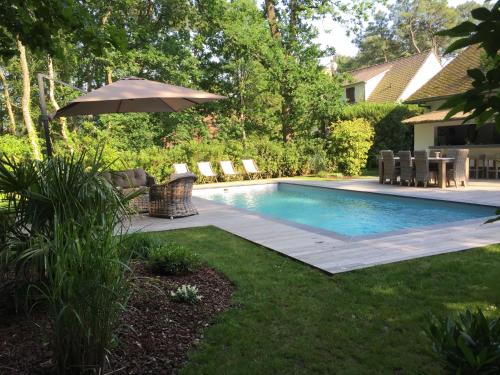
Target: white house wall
428	69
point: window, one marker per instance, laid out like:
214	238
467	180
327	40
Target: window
350	95
467	135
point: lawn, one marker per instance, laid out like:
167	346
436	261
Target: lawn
291	319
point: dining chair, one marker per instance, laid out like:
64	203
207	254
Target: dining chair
391	172
407	173
458	173
422	172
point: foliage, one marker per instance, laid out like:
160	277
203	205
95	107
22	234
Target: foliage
386	119
370	320
138	245
482	101
349	143
60	219
85	289
186	294
14	147
172	259
407	27
41	193
468	344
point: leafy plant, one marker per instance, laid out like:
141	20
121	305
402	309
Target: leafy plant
173	259
349	143
139	245
468	344
482	101
39	193
186	294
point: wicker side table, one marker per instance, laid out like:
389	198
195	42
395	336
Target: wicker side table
173	199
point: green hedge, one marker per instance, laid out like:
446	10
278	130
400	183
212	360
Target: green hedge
274	158
386	119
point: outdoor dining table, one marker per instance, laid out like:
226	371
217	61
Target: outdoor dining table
441	162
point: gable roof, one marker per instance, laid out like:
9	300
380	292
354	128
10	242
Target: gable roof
398	75
395	81
452	79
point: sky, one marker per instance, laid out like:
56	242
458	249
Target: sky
335	35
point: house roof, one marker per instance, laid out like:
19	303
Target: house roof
435	116
452	79
398	75
395	81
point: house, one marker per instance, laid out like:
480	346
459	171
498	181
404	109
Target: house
393	81
431	130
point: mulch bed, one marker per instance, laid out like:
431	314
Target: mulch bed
155	334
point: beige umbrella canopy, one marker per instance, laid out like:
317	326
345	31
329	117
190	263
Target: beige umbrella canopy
136	95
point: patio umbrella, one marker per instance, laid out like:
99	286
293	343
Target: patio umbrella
136	95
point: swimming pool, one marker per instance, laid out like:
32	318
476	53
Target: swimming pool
344	212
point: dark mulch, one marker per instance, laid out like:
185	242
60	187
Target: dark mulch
154	337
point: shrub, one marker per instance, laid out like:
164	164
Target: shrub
139	245
390	132
172	259
60	223
15	147
350	142
468	344
186	294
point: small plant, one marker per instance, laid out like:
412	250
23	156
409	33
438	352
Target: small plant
139	245
468	344
172	259
186	294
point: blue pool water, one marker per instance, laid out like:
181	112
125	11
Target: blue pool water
345	212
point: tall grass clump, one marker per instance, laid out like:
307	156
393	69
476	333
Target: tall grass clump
60	219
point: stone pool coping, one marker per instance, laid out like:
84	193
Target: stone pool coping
332	253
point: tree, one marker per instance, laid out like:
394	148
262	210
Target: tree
25	101
8	104
416	23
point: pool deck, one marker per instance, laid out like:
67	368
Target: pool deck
335	254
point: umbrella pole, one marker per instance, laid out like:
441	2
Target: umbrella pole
44	117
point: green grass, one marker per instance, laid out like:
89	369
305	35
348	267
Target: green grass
291	319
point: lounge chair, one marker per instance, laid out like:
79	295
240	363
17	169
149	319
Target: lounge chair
228	169
181	168
250	168
391	172
422	172
173	199
206	170
406	166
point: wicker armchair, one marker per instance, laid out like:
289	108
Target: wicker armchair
406	166
130	181
391	172
173	199
422	172
459	171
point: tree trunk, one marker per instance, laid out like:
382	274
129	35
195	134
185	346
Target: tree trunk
413	38
8	104
241	79
271	19
109	76
25	101
62	120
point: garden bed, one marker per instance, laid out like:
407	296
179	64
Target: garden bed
155	333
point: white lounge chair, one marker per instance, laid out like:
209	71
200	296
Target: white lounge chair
181	168
250	168
228	169
206	170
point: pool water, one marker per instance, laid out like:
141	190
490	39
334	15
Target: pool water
344	212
